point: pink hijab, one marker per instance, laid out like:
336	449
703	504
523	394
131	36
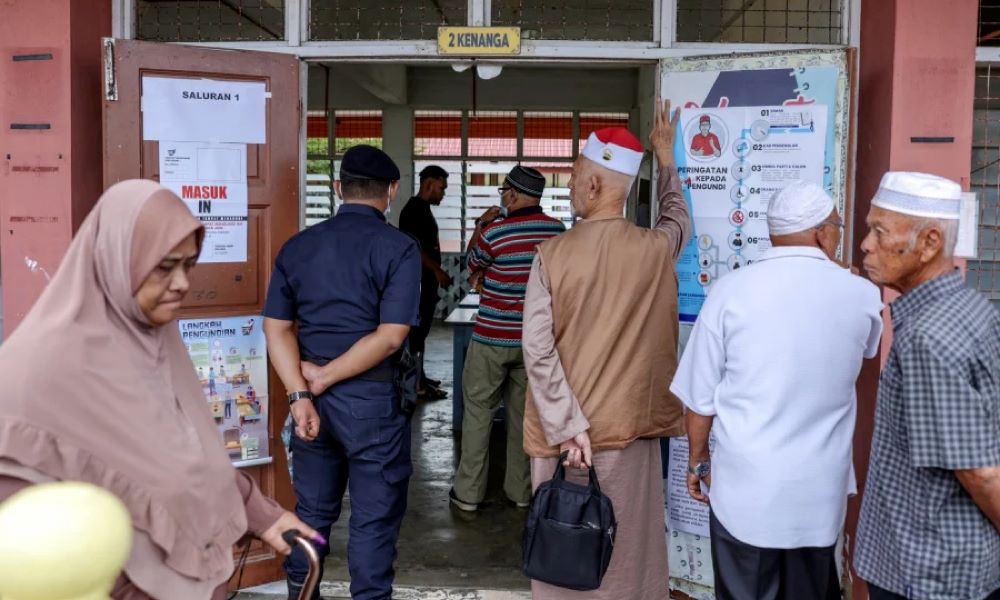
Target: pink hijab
92	392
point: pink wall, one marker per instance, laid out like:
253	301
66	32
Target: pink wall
917	79
49	178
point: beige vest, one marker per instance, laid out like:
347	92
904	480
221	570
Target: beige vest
614	308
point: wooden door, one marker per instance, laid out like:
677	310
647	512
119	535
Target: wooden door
222	289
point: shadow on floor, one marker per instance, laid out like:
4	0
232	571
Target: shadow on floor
439	544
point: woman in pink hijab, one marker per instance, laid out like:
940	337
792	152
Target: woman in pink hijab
98	387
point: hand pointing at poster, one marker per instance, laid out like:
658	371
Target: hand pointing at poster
664	132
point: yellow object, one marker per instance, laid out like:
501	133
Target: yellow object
479	41
62	541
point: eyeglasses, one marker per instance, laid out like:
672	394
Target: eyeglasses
502	190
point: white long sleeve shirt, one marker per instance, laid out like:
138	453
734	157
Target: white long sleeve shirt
774	357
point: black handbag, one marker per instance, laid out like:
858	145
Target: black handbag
570	533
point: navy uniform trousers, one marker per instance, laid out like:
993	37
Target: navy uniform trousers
364	443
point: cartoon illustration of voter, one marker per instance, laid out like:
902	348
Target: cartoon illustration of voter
705	143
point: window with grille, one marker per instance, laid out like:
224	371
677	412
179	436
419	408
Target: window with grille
210	20
760	21
548	135
493	134
591	122
437	133
611	20
494	142
984	270
989	23
349	128
383	19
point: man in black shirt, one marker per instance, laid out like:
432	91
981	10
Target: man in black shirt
418	220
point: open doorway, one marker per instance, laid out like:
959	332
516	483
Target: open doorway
477	130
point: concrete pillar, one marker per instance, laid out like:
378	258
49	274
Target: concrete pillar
50	138
917	80
397	141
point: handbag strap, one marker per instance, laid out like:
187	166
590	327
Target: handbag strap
560	472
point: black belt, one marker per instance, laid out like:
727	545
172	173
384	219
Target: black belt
385	371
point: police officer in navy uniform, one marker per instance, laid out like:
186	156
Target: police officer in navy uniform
342	298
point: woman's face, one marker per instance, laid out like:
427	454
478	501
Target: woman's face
161	294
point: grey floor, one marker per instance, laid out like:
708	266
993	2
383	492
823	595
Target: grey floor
441	547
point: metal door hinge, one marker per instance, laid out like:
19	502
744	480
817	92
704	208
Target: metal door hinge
110	81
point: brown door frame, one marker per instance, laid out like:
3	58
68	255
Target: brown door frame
275	180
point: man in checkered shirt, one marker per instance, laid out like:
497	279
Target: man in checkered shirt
931	509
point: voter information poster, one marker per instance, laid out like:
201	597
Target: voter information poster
732	162
748	126
211	179
229	355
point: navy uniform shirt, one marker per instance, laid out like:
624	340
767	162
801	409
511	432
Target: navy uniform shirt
343	278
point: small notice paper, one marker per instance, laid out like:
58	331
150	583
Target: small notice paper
684	513
203	109
968	227
211	179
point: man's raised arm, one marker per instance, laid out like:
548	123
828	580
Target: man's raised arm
674	219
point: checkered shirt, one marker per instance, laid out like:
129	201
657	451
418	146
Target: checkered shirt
921	535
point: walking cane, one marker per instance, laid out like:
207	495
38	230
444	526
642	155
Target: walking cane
293	537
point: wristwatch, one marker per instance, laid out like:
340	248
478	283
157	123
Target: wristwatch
298	396
701	469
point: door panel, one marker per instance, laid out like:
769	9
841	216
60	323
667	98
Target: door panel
224	289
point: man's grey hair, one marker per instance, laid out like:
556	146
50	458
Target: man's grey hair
948	227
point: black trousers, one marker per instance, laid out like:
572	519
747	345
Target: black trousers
745	572
428	302
877	593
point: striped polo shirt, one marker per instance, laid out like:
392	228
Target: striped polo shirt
505	251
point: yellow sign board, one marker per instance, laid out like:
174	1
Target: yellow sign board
479	41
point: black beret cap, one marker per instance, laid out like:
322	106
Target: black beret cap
368	162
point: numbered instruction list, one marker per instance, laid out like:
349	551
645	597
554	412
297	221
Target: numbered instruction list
733	161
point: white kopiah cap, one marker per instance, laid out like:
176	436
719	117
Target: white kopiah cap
615	148
799	206
919	194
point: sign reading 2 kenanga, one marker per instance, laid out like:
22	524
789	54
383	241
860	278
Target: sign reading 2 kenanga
478	41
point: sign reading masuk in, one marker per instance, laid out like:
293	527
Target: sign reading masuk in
211	179
478	41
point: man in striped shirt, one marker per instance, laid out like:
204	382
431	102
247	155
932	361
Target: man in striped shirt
500	253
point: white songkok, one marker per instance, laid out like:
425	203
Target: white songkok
801	205
919	195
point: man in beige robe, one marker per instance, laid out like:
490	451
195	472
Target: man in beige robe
600	347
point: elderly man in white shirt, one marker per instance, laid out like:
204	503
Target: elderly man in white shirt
772	363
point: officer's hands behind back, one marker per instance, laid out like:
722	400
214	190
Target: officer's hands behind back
306	419
315	376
